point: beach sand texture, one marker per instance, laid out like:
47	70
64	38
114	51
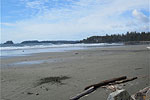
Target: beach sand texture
81	67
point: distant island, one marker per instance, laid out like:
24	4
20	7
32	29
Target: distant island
128	38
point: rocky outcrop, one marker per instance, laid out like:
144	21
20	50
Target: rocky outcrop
9	42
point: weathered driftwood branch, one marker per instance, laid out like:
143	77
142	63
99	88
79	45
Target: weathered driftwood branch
106	82
88	91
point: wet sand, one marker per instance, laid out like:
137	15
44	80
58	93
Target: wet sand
83	67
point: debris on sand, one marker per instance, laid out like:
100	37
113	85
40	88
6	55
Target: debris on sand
44	88
76	53
37	94
138	68
30	93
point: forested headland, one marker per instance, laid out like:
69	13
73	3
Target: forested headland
132	37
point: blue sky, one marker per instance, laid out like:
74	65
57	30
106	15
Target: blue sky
71	19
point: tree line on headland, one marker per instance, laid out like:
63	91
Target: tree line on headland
129	37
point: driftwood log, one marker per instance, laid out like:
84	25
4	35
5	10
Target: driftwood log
106	82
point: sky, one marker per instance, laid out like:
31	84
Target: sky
71	19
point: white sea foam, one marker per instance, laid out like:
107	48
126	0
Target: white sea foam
55	46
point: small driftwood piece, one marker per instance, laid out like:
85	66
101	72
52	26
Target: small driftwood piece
86	92
92	88
124	81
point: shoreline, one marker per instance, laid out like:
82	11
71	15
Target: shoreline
84	67
28	50
42	57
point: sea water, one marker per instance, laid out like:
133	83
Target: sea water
27	49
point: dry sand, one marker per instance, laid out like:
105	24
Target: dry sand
84	67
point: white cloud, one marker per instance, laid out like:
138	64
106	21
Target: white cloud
140	16
78	20
8	24
33	4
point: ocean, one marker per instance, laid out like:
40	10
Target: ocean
28	49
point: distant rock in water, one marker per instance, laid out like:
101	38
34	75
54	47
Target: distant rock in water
9	42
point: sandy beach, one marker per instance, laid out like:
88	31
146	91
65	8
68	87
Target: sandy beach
20	75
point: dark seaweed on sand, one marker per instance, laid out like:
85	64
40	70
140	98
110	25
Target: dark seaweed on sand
52	80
